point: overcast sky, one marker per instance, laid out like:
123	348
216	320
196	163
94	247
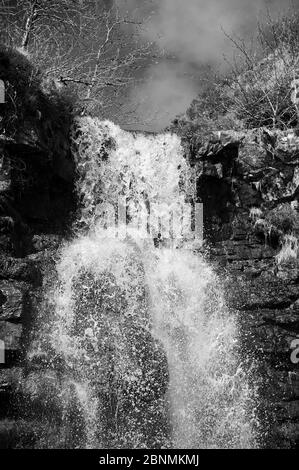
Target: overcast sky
190	33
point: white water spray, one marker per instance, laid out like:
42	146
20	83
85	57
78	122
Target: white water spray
149	349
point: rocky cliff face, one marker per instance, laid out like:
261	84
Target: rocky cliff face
249	184
36	201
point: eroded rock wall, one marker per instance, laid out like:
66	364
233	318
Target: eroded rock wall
36	202
249	185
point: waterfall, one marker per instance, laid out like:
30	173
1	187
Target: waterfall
136	347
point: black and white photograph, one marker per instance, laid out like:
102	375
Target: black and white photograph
149	229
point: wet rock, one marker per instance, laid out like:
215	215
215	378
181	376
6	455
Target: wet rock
252	294
293	384
18	434
10	379
20	269
288	410
12	301
46	242
11	335
9	383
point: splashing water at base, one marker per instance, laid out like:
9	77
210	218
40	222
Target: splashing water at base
209	398
147	348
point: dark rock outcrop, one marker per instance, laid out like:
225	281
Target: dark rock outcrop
36	204
249	185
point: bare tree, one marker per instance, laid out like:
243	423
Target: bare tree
24	20
79	44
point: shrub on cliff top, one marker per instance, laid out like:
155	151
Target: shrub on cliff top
284	219
280	227
279	222
256	89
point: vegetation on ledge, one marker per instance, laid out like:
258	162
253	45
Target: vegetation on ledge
259	88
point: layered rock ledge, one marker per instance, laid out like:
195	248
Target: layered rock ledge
249	185
36	203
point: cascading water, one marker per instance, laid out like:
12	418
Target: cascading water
141	350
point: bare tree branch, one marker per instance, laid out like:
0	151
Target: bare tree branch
79	44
